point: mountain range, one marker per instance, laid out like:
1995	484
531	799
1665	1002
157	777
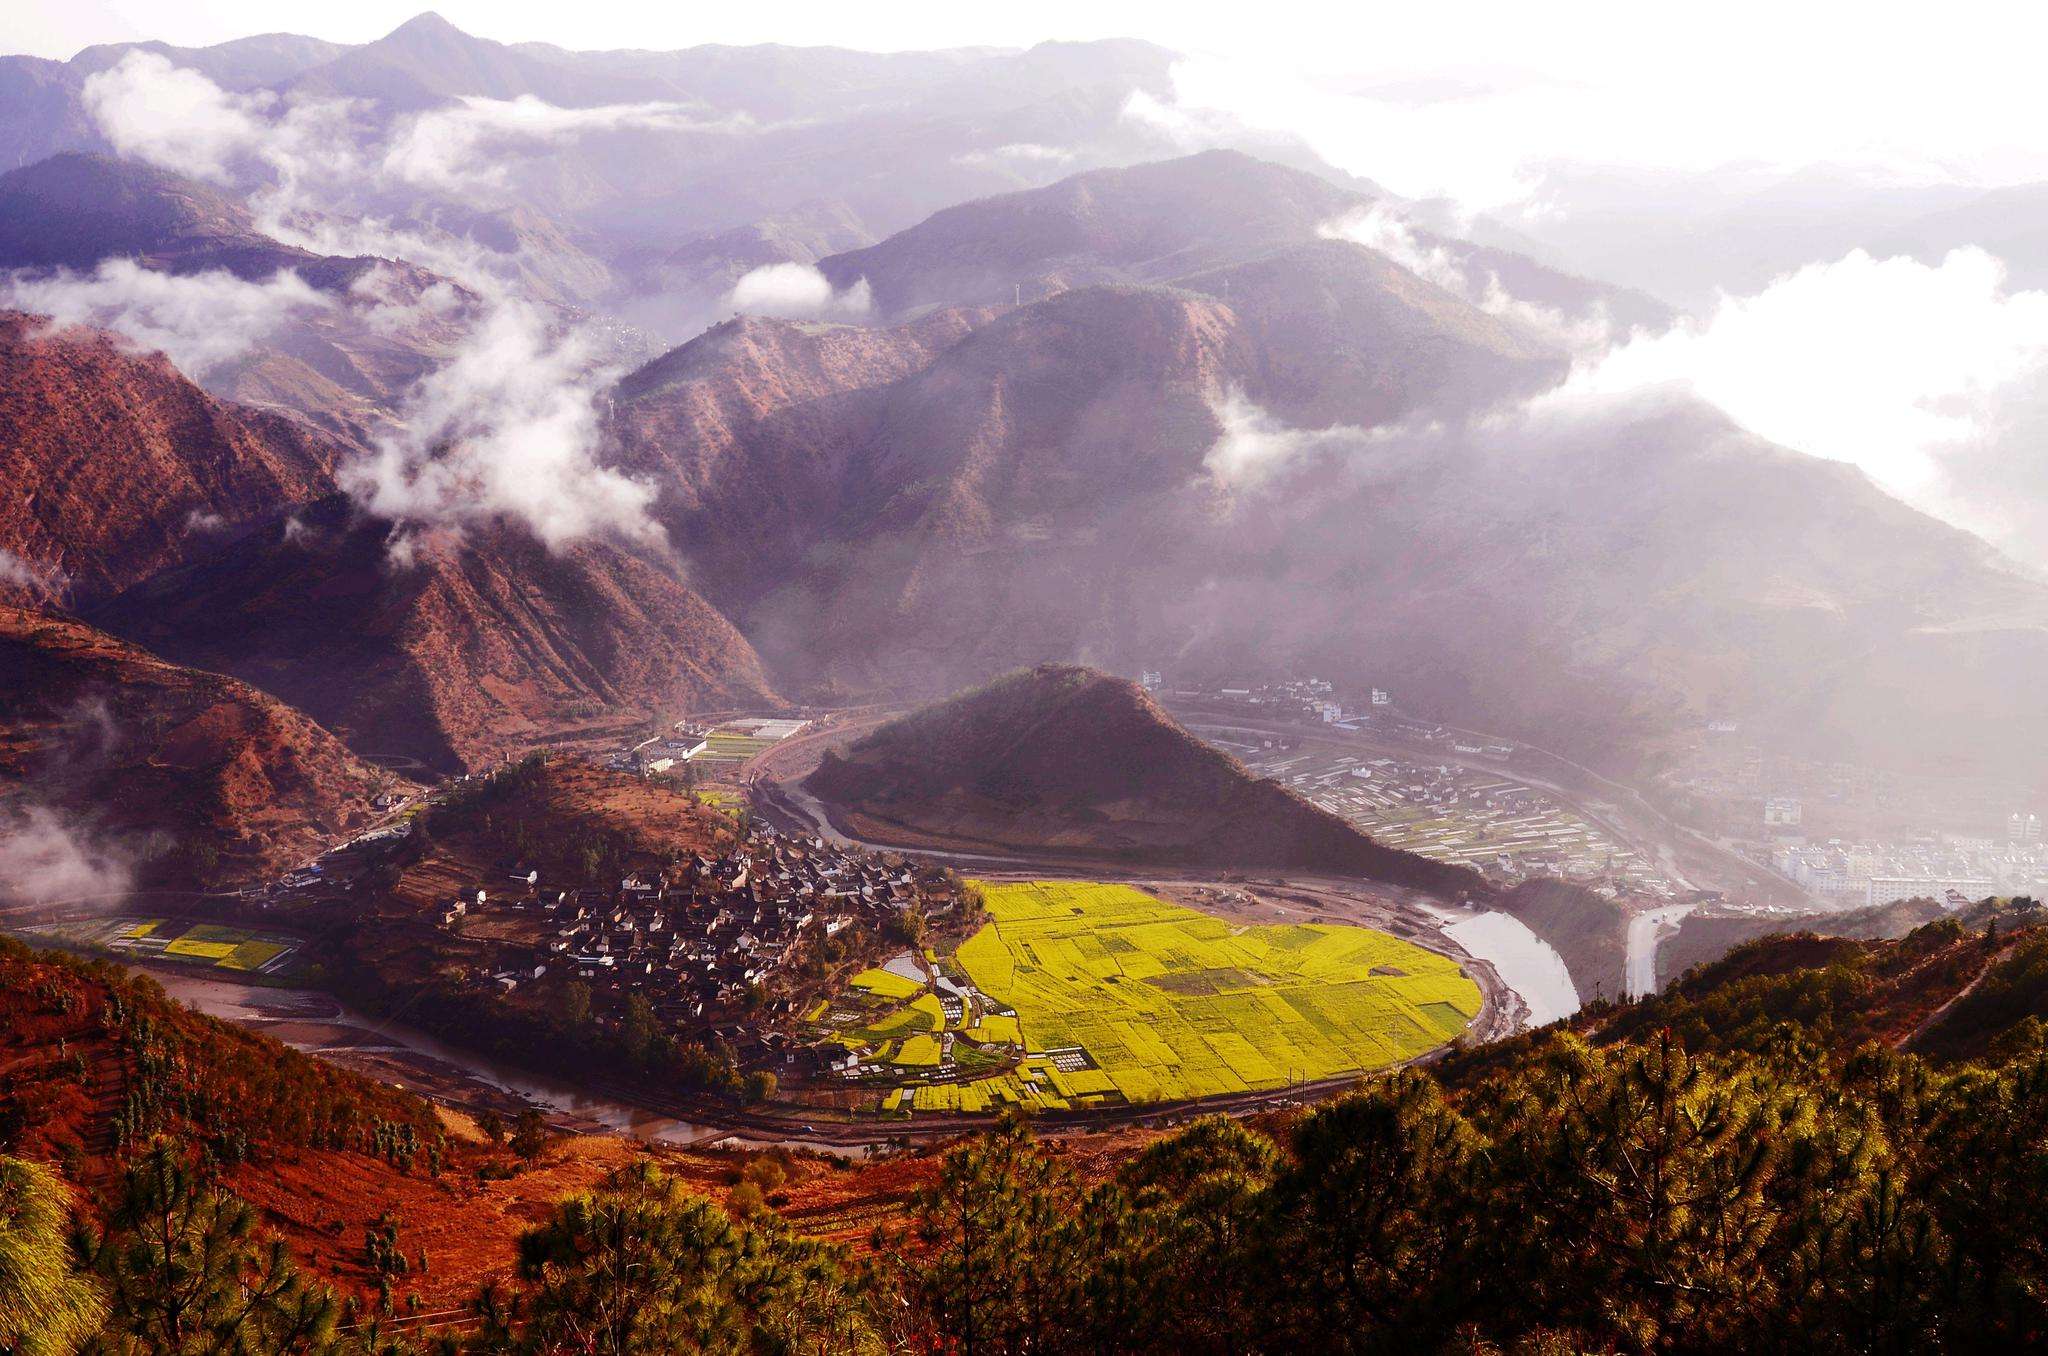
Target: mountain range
1136	466
1231	415
1313	461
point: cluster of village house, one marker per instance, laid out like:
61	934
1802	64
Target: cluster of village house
696	941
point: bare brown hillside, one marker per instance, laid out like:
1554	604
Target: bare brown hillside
456	652
117	466
185	777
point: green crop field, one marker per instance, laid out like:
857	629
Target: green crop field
725	745
1166	1003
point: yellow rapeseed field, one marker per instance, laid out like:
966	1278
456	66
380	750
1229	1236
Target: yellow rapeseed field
1144	1000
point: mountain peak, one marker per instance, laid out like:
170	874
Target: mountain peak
425	24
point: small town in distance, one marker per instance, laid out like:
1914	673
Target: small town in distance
1845	836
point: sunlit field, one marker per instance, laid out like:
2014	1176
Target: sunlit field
1170	1003
1078	995
203	944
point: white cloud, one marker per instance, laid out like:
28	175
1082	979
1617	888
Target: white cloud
507	426
797	291
1933	378
1419	151
1382	229
387	304
309	156
174	117
178	118
1254	447
1489	137
201	321
466	144
47	858
1019	153
1892	364
19	574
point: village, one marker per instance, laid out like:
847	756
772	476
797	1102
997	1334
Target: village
717	937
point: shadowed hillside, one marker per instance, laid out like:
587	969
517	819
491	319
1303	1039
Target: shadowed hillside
1069	760
116	466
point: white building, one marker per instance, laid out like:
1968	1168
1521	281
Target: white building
1889	889
1783	812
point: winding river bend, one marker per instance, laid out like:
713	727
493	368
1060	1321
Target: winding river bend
318	1024
1525	962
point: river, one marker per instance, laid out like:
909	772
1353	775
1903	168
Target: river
318	1024
1525	962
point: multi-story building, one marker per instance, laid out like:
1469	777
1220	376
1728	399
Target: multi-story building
1888	889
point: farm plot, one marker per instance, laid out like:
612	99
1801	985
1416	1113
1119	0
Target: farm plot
204	944
738	740
1134	997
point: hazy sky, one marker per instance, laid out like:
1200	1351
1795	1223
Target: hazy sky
1886	87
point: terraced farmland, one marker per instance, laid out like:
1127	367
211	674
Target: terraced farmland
736	741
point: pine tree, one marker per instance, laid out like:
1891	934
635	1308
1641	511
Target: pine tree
643	1266
47	1308
188	1275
